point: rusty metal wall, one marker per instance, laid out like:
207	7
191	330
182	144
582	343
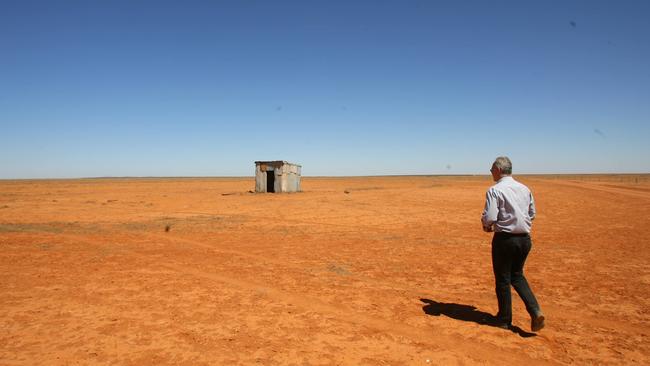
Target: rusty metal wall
287	176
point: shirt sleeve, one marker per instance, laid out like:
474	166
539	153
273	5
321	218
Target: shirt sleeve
531	208
491	210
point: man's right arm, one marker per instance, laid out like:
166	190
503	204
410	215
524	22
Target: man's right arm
531	208
491	210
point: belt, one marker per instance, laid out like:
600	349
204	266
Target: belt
507	235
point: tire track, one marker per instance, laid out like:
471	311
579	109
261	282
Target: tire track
597	187
341	313
430	337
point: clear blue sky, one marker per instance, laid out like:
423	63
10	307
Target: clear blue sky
205	88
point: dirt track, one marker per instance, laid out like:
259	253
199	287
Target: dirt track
396	271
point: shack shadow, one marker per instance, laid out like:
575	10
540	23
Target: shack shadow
467	313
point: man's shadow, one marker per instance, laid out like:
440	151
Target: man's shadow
467	313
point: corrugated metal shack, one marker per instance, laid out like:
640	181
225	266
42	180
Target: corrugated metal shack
277	176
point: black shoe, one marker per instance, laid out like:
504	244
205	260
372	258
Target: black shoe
497	323
503	325
537	322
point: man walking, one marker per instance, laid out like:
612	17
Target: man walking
509	212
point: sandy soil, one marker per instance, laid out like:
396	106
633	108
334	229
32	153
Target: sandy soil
353	271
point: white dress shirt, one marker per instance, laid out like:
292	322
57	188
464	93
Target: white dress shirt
509	206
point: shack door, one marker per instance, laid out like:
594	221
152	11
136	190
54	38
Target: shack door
270	181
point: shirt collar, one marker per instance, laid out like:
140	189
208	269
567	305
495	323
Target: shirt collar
503	179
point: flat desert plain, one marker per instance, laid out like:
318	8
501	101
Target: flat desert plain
351	271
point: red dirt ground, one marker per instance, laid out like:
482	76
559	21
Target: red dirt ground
394	272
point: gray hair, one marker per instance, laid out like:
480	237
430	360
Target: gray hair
504	164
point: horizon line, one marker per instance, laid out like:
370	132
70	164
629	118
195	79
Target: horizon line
310	176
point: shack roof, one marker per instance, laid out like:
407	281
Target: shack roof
276	163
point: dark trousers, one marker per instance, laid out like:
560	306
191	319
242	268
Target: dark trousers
509	252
